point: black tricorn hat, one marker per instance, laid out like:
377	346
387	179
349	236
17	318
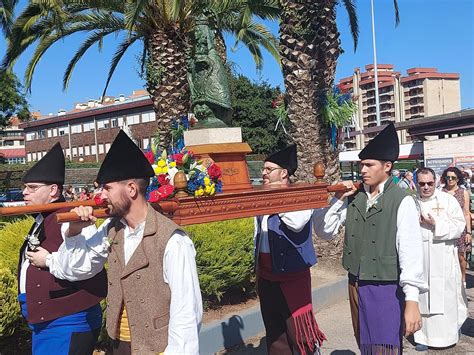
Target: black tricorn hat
384	146
124	161
286	158
49	169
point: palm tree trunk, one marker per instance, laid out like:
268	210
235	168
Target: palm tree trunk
167	54
309	46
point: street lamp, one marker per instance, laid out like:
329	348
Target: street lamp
377	106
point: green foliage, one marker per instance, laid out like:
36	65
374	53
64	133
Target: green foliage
12	99
224	257
11	239
338	109
252	105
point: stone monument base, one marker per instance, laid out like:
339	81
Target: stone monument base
224	147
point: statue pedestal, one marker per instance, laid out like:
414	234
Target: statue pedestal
224	147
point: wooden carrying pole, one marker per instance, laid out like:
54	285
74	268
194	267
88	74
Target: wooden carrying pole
259	200
50	207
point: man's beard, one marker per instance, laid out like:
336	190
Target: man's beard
120	208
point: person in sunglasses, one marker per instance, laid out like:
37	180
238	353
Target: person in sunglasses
453	180
383	251
65	317
443	308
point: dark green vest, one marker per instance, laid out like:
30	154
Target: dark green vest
370	239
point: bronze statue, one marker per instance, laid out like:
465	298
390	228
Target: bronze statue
207	79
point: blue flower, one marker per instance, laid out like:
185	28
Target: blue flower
219	186
185	122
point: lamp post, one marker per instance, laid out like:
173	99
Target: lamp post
377	106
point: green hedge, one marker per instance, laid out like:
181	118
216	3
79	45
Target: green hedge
224	262
224	257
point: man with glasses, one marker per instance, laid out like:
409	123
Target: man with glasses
443	308
284	253
382	249
65	317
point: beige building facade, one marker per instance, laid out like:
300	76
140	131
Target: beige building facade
422	92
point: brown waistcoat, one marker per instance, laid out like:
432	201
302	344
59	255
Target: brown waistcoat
140	285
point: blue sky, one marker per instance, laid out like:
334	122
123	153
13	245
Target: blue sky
432	33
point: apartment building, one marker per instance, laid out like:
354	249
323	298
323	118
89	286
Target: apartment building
87	132
12	143
422	92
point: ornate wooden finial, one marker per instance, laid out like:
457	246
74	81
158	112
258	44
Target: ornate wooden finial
319	171
180	184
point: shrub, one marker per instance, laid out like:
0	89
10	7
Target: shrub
12	237
224	257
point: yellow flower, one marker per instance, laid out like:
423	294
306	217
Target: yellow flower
172	164
165	170
207	189
200	192
161	163
207	181
213	191
158	170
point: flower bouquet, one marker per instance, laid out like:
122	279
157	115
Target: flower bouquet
201	180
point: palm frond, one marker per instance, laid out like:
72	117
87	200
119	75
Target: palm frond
397	12
95	37
122	48
353	21
7	8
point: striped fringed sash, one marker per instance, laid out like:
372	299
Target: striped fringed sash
308	334
379	349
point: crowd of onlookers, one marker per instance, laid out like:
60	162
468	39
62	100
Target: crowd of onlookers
86	192
407	179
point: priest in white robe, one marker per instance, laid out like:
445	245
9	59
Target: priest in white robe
444	307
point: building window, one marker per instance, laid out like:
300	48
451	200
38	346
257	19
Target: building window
50	133
114	122
146	142
55	132
29	156
68	152
81	151
135	119
63	130
120	121
76	128
88	126
30	136
148	117
107	147
87	150
103	124
74	152
101	149
93	150
42	133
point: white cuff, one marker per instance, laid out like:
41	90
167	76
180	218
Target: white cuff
48	260
411	293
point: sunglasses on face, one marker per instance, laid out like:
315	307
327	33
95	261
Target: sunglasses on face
422	184
454	178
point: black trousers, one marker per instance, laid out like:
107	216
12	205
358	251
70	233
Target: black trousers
83	343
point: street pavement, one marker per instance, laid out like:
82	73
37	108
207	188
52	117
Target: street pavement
335	321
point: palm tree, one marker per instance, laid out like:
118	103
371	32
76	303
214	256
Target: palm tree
310	47
6	15
163	27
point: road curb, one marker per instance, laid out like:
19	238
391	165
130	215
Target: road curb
235	329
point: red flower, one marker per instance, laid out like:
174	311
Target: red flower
98	200
150	157
274	103
214	171
154	196
178	158
163	179
165	190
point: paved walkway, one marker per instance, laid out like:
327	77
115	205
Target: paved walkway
335	321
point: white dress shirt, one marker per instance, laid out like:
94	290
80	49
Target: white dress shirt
409	244
25	263
83	256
